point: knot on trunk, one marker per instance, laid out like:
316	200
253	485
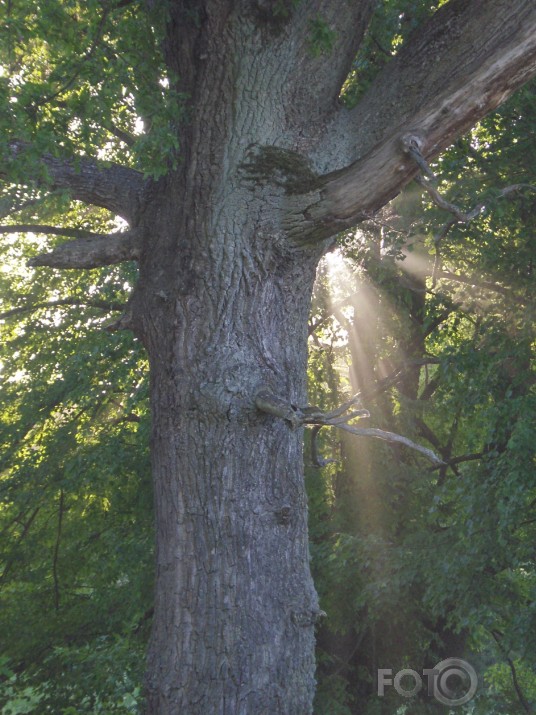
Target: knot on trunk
307	618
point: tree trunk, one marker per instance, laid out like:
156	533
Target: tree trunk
235	604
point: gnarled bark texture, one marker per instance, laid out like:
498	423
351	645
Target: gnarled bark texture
272	166
222	315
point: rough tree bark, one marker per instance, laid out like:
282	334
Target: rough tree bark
272	166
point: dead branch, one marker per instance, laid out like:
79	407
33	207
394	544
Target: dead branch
73	302
48	230
267	402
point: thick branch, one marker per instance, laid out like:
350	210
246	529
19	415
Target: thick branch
324	37
467	60
116	188
91	252
461	42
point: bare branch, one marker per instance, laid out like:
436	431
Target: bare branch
473	281
266	401
516	187
440	201
316	458
460	215
50	230
73	302
91	252
116	188
393	438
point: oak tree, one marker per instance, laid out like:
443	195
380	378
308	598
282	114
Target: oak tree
215	135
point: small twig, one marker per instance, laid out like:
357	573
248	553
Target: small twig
517	687
56	553
527	521
381	47
26	529
355	400
468	280
106	124
515	187
316	458
356	414
11	523
345	663
149	613
10	205
437	258
337	306
120	134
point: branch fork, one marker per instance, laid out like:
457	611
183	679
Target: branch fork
267	402
413	146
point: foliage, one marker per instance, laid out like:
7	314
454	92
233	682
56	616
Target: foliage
91	74
75	493
435	327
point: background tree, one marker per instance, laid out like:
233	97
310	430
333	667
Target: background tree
227	232
434	321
